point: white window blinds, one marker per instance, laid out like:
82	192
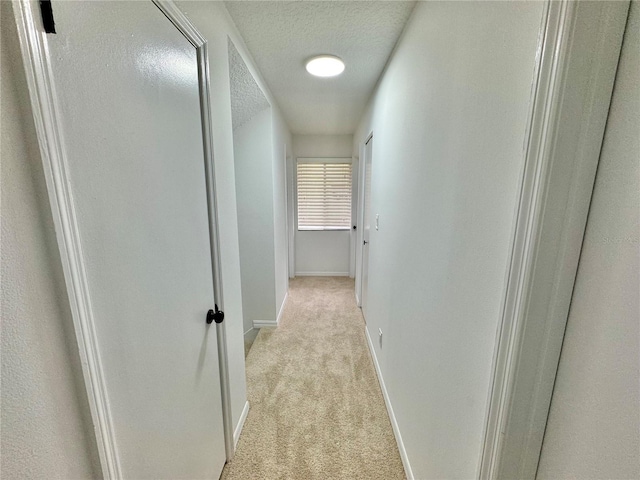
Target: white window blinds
324	196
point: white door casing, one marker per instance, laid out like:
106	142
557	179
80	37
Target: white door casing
119	110
576	66
355	171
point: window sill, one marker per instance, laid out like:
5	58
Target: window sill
323	229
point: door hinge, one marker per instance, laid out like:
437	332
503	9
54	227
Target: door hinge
47	16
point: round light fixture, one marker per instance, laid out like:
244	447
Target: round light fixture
325	66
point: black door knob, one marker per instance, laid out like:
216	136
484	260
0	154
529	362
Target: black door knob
215	316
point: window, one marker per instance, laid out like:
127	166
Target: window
324	196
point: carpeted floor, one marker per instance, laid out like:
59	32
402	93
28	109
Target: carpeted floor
317	411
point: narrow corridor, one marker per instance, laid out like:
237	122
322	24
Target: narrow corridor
316	406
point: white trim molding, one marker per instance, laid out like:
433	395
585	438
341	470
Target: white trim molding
579	45
44	104
265	323
245	333
358	252
322	274
240	425
33	44
284	302
272	323
392	416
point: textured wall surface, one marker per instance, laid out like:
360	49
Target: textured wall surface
46	428
247	103
247	99
283	35
448	133
593	430
252	151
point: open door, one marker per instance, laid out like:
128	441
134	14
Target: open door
125	159
366	225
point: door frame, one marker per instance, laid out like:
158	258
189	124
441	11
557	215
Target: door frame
44	105
360	217
355	175
291	193
578	50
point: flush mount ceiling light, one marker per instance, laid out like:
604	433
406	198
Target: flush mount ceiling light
325	66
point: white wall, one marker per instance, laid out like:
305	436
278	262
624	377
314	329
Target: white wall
248	99
321	252
593	430
261	146
322	145
253	165
46	426
448	119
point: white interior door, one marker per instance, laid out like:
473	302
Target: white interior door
366	230
126	82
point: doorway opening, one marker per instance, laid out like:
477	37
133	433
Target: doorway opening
251	121
362	277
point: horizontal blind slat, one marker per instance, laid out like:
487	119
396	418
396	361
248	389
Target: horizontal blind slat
324	195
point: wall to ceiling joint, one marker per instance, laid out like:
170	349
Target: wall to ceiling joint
283	35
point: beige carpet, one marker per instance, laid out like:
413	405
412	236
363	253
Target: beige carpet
317	411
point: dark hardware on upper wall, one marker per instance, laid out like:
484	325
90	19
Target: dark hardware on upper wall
47	16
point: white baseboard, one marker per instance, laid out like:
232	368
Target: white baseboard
284	301
251	334
271	323
265	323
322	274
238	430
357	300
392	416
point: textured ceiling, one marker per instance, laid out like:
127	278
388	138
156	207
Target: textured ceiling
282	35
247	98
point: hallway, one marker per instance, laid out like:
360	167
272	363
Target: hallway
316	406
319	239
